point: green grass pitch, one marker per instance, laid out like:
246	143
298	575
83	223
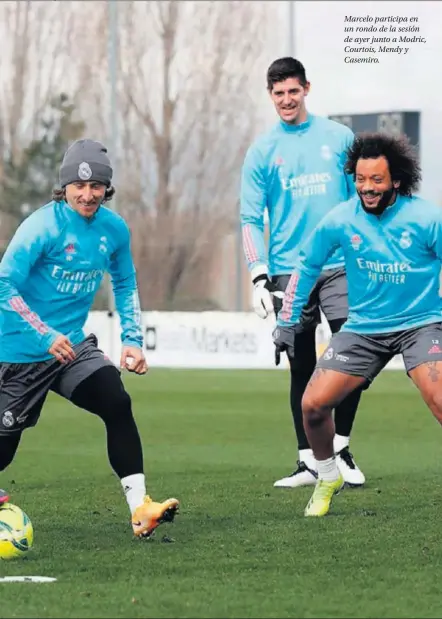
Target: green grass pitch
239	547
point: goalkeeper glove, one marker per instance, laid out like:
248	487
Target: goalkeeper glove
263	289
284	341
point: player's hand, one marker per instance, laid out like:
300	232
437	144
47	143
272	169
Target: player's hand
263	289
284	341
133	360
62	349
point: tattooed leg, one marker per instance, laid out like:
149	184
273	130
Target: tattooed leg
428	379
433	371
316	374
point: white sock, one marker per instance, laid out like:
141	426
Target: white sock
134	487
328	469
339	442
306	455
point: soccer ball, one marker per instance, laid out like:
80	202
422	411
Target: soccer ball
16	532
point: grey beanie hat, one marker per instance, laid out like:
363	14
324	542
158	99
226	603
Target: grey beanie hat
86	160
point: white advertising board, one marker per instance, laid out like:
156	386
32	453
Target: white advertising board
205	340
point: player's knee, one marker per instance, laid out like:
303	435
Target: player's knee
104	395
314	411
122	401
118	407
113	405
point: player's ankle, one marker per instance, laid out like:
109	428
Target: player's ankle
328	469
134	487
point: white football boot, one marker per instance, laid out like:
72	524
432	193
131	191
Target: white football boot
305	474
352	474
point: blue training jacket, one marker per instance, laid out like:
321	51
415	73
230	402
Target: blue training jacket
50	274
296	172
393	265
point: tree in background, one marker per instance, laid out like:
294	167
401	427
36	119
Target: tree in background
190	112
36	46
28	182
190	89
191	84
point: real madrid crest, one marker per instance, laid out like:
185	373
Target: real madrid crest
84	171
405	241
8	419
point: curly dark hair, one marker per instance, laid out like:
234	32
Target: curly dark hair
401	156
59	194
284	68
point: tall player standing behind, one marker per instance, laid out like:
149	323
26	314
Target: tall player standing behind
49	276
296	172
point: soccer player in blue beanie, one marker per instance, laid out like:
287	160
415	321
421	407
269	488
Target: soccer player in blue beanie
49	276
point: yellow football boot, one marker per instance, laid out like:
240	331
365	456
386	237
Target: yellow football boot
149	515
320	502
